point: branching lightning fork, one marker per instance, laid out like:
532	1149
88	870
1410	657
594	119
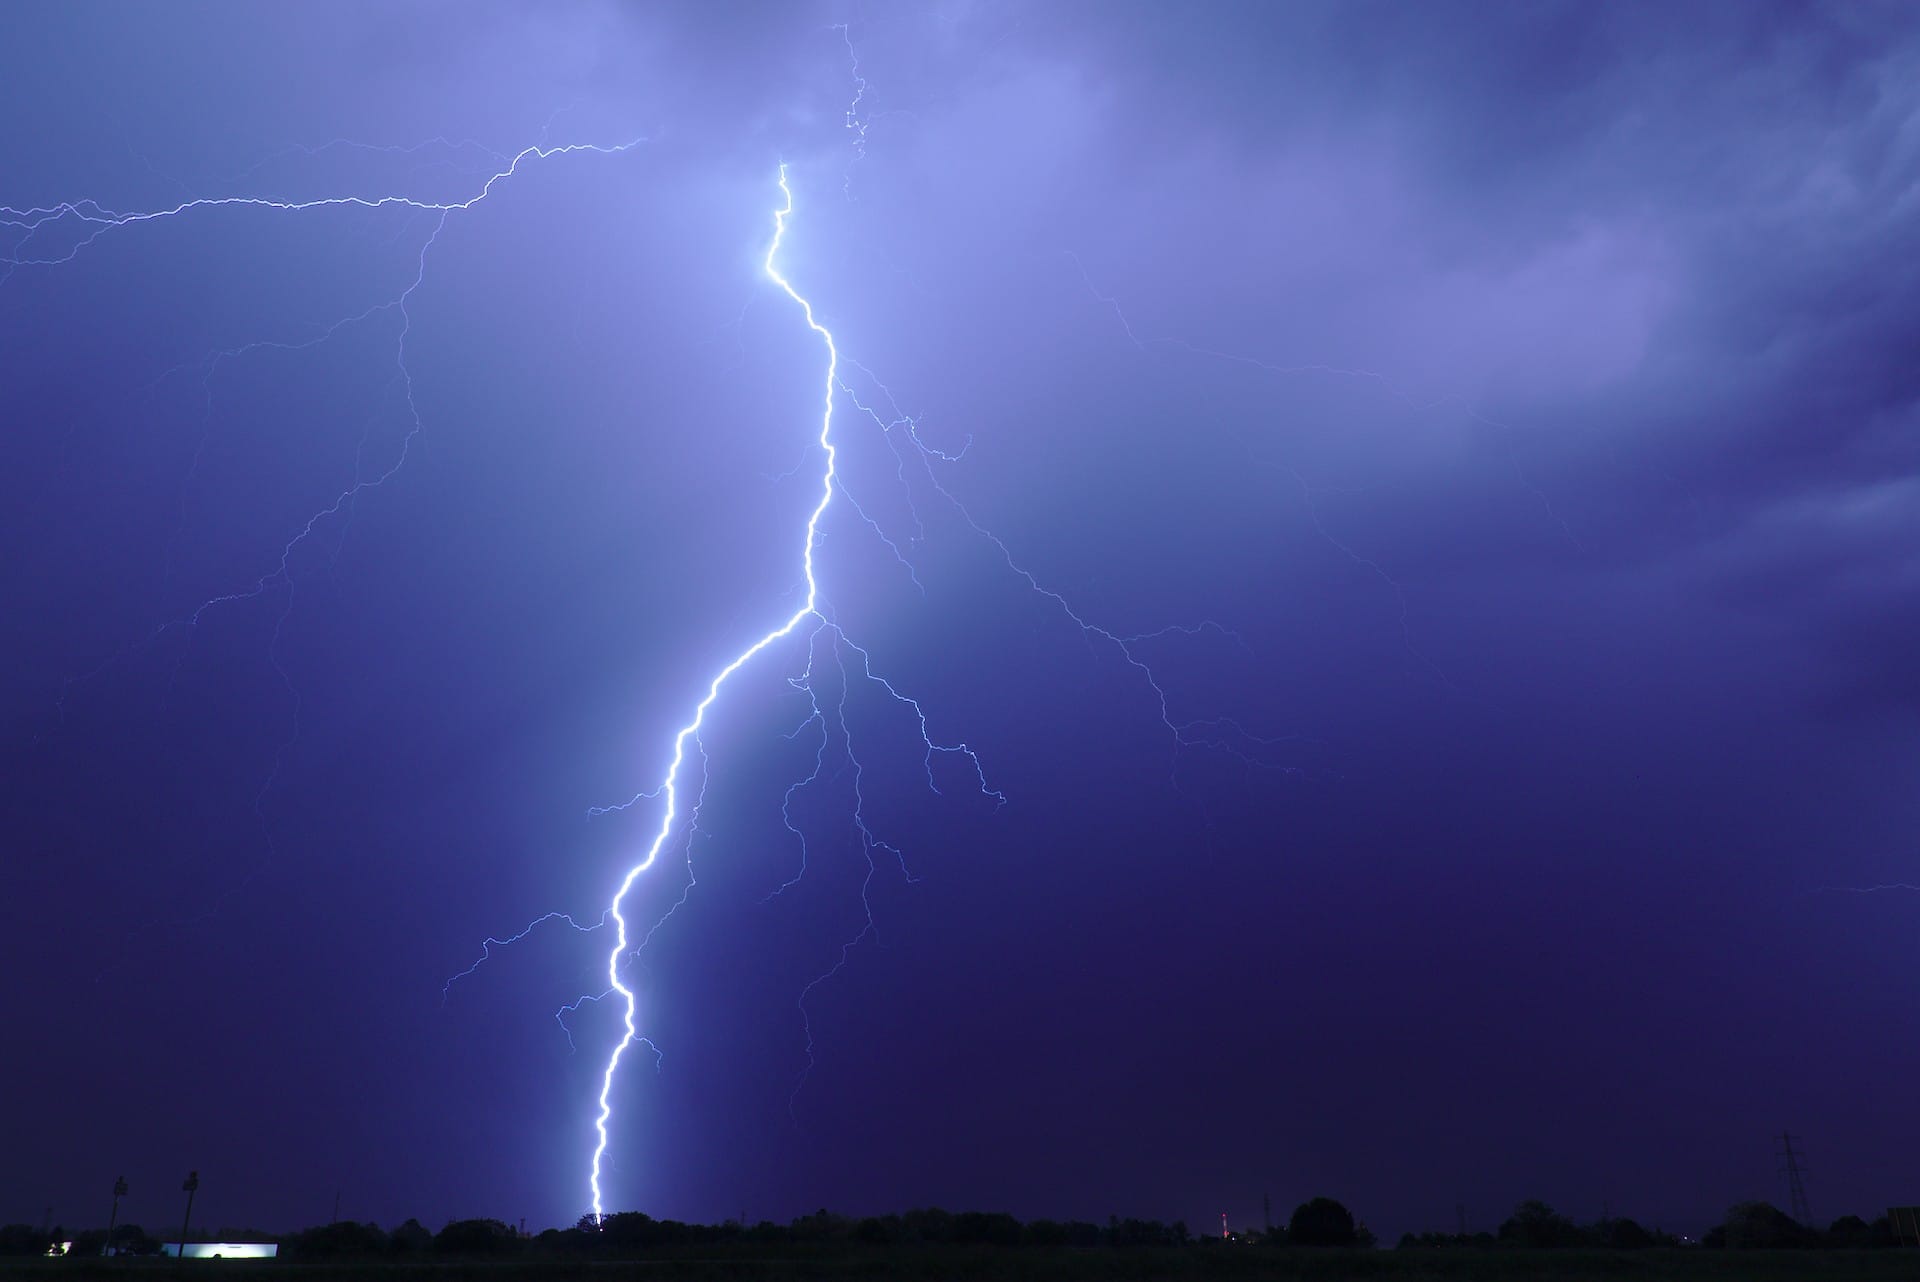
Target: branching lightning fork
1217	733
51	235
810	608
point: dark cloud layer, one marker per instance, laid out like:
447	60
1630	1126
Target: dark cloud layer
1522	394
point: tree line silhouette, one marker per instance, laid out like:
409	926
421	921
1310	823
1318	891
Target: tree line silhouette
1319	1223
1748	1226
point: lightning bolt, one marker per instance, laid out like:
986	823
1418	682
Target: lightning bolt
856	124
51	235
670	785
1218	733
825	630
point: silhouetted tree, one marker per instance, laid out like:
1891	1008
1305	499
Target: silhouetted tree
995	1228
1535	1224
1764	1226
342	1238
476	1237
928	1224
879	1230
625	1230
1131	1232
1852	1231
22	1239
1320	1222
1623	1235
822	1226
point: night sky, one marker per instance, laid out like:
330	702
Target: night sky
1497	425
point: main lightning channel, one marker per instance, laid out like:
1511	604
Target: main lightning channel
669	788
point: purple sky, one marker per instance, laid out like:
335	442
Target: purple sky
1497	422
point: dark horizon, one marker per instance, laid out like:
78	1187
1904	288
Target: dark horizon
1317	1222
1469	756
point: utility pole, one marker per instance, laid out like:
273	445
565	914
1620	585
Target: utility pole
119	1191
336	1209
190	1186
1796	1187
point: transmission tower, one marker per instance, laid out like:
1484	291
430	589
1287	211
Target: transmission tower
1796	1186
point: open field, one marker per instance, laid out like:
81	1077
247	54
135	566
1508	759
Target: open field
1202	1264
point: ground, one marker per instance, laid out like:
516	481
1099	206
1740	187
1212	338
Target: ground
1200	1264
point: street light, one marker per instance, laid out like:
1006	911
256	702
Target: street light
189	1187
119	1191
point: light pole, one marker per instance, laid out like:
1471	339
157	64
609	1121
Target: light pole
119	1191
190	1187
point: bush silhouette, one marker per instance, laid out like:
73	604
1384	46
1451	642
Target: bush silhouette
1321	1222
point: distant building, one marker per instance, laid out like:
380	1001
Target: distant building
223	1250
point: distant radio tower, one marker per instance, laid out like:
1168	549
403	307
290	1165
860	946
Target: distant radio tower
1796	1187
1223	1225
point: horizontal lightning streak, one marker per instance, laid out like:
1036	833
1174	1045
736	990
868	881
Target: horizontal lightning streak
95	220
91	213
